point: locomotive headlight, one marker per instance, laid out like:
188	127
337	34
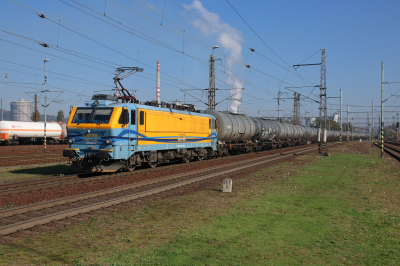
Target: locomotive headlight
71	141
108	141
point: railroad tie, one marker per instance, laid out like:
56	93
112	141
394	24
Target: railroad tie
42	228
6	221
73	219
116	208
84	216
23	217
26	233
60	223
101	212
36	213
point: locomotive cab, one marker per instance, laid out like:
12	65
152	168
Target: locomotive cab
99	131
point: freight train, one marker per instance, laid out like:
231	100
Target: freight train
106	135
17	132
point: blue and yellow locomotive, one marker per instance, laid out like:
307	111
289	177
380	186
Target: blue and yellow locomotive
107	135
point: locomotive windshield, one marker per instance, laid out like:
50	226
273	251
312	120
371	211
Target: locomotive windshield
92	115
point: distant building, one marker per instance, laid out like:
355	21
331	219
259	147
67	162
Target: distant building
311	121
334	117
21	110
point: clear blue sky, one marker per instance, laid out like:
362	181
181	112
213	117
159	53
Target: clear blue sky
357	36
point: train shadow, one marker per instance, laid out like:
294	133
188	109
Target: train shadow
51	170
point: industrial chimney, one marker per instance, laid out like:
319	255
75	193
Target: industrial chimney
158	84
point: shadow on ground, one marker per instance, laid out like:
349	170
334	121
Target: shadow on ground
53	170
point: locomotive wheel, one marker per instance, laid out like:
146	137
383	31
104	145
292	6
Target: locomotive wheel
131	169
153	165
185	160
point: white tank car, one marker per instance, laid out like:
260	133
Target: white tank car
10	129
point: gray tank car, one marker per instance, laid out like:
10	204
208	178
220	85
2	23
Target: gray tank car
273	134
235	132
239	133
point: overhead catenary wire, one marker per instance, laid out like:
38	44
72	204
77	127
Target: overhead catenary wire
200	60
256	33
221	81
78	79
203	61
110	72
252	49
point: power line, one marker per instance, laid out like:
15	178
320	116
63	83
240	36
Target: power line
251	49
56	56
257	34
202	61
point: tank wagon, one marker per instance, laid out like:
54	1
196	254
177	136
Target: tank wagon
106	135
64	134
16	132
239	133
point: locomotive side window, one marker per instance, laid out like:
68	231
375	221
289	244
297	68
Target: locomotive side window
123	119
133	117
209	123
141	118
216	124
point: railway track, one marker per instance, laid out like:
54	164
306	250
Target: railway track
392	149
30	148
52	182
24	162
31	219
22	157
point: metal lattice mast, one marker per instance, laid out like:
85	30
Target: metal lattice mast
211	86
322	96
296	108
373	118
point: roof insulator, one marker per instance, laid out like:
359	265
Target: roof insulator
252	49
43	44
41	15
248	66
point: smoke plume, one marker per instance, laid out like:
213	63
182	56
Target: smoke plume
233	47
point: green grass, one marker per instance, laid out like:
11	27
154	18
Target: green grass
340	210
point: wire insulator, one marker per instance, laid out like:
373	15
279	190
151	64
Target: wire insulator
43	44
41	15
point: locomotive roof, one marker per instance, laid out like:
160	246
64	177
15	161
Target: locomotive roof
107	103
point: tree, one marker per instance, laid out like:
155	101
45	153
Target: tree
60	116
37	116
389	133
